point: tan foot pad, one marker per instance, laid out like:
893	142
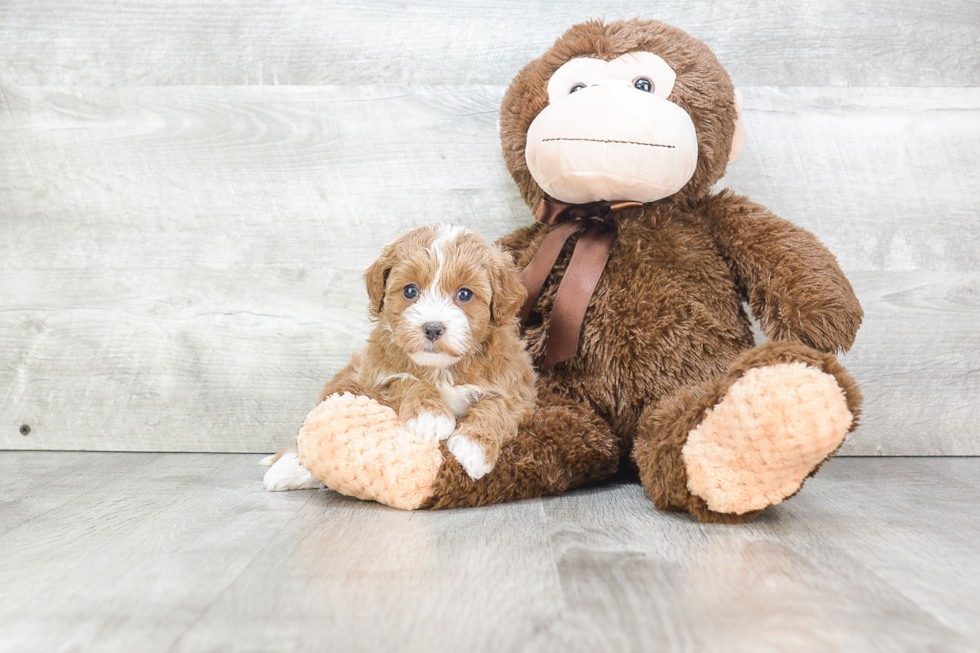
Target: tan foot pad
758	444
360	448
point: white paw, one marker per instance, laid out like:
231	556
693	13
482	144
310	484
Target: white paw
431	426
288	474
470	456
268	460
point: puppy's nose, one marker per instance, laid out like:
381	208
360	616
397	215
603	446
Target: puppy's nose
433	330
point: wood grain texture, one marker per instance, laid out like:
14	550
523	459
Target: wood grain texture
164	237
917	358
889	179
181	265
130	562
57	481
306	42
185	552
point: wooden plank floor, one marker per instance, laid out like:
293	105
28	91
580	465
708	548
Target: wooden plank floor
185	552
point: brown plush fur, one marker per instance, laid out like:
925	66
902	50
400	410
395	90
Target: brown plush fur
665	333
563	445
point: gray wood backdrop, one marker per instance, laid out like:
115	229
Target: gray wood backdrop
189	192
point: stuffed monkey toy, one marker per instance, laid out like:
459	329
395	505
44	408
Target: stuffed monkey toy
637	276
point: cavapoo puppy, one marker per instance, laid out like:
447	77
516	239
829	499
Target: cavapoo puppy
445	353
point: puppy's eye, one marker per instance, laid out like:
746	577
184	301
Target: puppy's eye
644	84
411	291
577	87
464	295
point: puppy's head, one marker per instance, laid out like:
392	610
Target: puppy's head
441	291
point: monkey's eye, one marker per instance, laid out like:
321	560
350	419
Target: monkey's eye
464	295
644	84
411	291
577	87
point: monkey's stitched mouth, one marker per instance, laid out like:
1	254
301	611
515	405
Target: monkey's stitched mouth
606	140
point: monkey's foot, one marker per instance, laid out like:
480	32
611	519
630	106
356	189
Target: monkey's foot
771	429
360	448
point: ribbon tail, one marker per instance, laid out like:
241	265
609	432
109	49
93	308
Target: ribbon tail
537	271
550	210
574	292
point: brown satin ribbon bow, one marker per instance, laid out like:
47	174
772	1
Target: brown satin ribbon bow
598	226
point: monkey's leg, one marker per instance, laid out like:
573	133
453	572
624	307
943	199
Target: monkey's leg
562	445
358	447
725	449
286	472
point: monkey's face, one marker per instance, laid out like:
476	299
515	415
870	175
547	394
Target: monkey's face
629	110
610	133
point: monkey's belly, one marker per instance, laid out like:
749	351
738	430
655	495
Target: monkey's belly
654	334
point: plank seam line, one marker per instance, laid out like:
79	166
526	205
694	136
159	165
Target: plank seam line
245	568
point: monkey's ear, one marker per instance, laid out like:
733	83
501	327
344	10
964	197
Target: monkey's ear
738	138
376	278
508	292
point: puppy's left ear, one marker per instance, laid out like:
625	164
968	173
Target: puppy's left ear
376	279
508	292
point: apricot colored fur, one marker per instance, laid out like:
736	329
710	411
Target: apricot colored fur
496	362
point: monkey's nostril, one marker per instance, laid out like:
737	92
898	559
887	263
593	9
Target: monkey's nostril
433	330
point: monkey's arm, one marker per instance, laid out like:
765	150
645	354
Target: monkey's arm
793	284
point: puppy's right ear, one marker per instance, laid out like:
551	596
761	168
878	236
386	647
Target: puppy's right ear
376	279
508	293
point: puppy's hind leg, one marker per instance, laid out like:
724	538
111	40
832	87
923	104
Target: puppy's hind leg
287	473
271	459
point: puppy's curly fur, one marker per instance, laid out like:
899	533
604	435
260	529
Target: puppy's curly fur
446	353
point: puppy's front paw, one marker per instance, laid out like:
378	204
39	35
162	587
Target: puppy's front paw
431	426
470	455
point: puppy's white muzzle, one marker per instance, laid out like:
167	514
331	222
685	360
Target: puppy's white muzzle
442	329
